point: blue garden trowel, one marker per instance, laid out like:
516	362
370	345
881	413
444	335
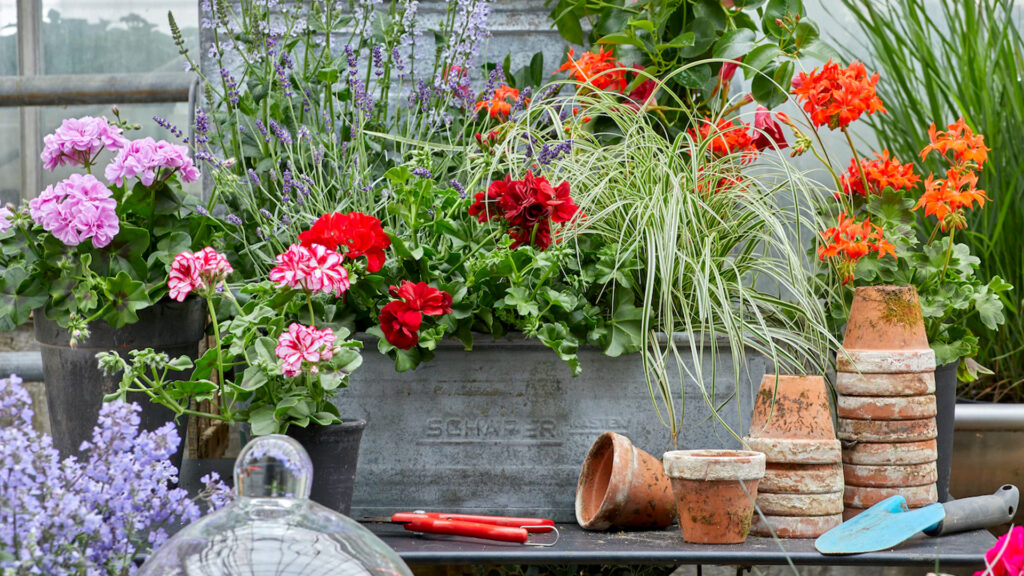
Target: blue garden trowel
888	523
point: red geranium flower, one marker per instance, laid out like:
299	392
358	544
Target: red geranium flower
528	205
599	69
881	173
424	298
400	324
360	233
727	138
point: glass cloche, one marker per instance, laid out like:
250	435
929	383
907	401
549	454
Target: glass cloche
272	528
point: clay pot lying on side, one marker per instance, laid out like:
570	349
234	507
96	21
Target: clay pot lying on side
715	492
621	486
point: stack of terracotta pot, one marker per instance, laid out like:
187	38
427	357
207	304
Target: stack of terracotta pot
801	494
886	401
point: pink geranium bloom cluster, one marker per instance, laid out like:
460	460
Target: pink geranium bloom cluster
145	158
304	344
5	219
78	140
201	271
313	268
76	209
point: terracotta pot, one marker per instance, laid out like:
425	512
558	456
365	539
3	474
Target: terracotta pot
887	430
866	384
891	476
791	407
891	453
864	497
880	408
801	478
885	361
794	526
622	486
885	318
800	504
797	450
715	492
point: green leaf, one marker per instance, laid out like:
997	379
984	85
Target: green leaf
402	249
620	38
558	338
18	297
568	22
398	175
806	32
126	250
262	421
205	365
771	85
695	76
779	10
522	300
331	380
682	40
126	297
180	364
328	75
759	58
195	388
537	69
253	378
734	44
989	307
819	50
642	24
625	325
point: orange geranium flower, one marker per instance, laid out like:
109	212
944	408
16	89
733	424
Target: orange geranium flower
601	70
850	241
727	137
881	173
500	105
967	148
947	199
836	96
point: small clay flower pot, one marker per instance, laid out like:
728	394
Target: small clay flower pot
622	486
797	450
891	454
794	526
801	479
891	476
715	493
885	318
887	430
792	407
867	384
886	408
800	504
866	497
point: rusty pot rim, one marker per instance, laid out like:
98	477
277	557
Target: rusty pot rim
714	465
623	466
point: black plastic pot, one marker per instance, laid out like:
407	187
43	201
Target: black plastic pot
75	385
945	416
334	451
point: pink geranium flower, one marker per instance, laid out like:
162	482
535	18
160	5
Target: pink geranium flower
78	140
77	209
146	158
1006	558
202	271
313	269
5	219
304	344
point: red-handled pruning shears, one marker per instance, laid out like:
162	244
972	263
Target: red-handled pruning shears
500	528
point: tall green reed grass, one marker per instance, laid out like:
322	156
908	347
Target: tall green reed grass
940	59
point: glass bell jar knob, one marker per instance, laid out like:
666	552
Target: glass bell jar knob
272	528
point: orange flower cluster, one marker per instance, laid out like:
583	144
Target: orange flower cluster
850	241
601	70
500	105
967	148
881	173
727	137
836	96
949	197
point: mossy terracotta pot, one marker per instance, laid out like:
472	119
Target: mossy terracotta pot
715	493
792	421
621	486
885	318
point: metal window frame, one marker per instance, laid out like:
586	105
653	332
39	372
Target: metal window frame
31	88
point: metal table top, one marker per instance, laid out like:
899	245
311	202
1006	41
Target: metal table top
577	546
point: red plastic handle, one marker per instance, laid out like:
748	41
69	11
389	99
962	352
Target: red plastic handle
535	524
428	525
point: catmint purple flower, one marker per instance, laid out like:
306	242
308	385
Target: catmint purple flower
304	134
146	158
230	85
266	214
353	63
469	32
202	211
318	154
549	153
77	209
409	29
281	133
396	57
254	178
234	219
166	125
78	140
378	61
86	515
360	97
281	68
423	173
458	187
260	234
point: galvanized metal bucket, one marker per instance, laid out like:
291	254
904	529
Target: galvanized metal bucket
504	429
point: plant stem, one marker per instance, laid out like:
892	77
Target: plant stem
949	252
309	301
856	158
216	337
